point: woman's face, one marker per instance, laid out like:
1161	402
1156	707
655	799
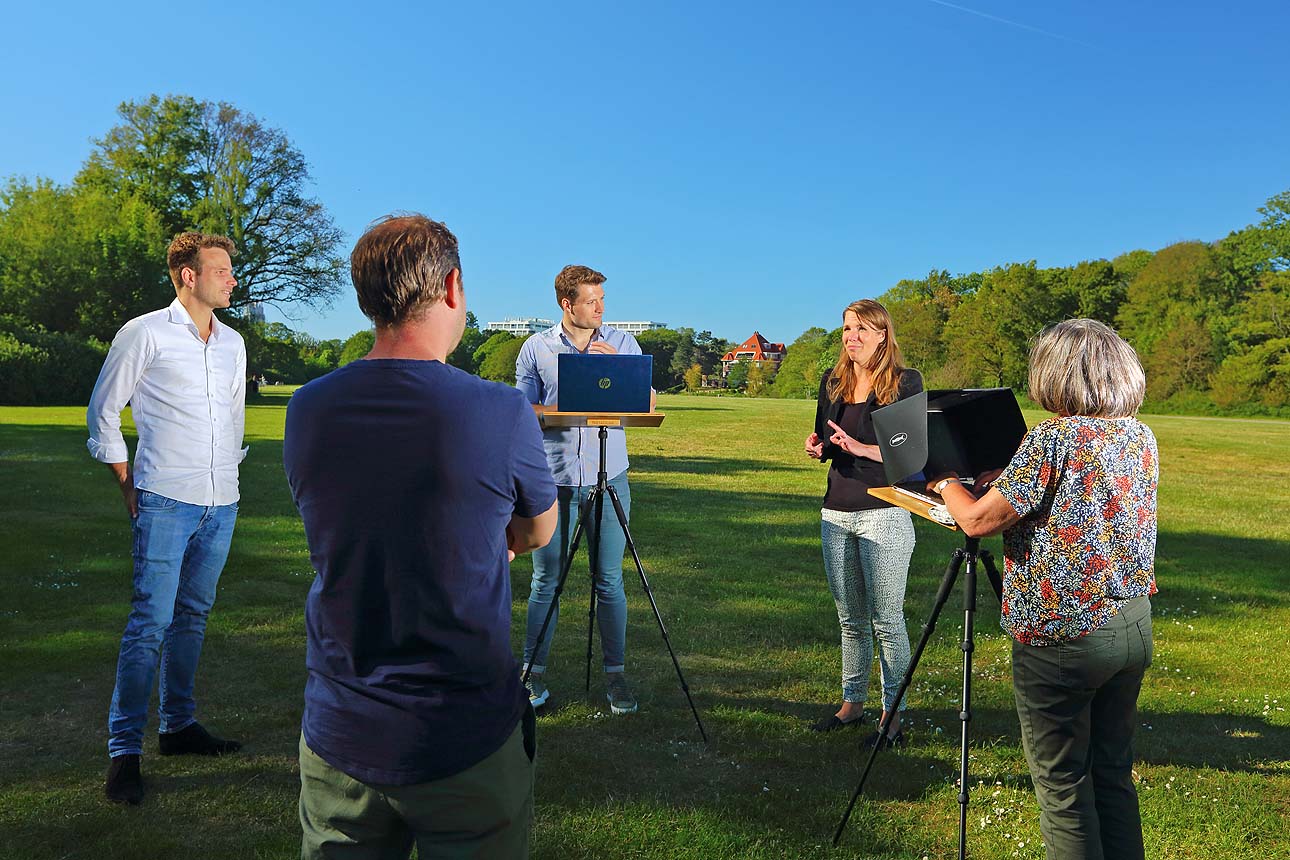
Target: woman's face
860	340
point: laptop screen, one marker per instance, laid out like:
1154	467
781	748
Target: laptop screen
966	431
595	382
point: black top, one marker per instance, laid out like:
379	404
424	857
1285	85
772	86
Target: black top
851	477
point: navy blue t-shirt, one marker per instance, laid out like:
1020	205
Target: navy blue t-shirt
406	474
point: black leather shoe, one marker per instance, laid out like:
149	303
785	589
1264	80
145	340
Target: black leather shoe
124	781
195	740
831	723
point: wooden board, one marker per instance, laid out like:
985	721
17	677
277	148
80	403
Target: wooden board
600	419
915	506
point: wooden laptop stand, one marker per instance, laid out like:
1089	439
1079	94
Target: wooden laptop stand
918	507
590	512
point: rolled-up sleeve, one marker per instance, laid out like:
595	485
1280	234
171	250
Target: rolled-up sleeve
131	350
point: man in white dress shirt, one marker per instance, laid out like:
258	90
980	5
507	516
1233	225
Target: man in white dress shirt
184	375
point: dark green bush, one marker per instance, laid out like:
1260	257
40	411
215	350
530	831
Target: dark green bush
40	368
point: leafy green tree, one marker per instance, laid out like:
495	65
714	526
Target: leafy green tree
210	166
1091	289
988	336
499	364
702	348
79	261
737	378
1181	360
1130	264
694	378
830	350
463	357
919	310
661	343
799	373
490	345
1182	280
759	379
358	345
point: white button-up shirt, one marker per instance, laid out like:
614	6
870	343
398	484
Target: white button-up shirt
188	398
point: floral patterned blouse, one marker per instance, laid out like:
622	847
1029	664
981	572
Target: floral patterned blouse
1085	489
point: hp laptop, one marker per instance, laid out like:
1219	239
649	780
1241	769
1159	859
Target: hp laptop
966	431
595	382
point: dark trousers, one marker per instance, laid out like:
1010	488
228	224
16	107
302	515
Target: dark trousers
1077	702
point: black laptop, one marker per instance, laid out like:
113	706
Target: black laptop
963	430
596	382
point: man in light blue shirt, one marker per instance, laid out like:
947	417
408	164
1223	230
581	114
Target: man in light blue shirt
574	457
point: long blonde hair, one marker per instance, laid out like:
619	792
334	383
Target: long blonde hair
884	367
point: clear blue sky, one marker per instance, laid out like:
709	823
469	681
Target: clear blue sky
729	167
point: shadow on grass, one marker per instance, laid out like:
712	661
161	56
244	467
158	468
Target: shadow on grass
704	465
747	609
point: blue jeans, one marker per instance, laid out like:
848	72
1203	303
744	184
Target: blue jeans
1077	703
179	552
611	603
866	558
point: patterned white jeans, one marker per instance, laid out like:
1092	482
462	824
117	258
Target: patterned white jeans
866	559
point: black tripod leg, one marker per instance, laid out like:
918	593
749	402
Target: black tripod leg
965	713
942	594
640	568
559	589
992	574
593	566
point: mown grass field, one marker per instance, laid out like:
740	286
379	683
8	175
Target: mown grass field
726	515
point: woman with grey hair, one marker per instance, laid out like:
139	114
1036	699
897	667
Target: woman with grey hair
1077	509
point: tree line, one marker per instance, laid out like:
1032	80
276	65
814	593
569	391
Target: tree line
1211	320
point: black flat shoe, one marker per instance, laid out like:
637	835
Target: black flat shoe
878	740
831	723
124	781
195	740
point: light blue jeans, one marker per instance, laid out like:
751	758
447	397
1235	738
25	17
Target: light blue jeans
179	552
866	559
611	602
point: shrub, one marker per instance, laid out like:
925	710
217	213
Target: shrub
40	368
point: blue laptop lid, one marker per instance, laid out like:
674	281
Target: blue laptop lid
595	382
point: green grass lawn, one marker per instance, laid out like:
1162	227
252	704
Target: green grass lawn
726	516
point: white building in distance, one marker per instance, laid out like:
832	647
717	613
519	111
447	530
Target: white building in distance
521	326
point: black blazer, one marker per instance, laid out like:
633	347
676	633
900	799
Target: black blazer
826	410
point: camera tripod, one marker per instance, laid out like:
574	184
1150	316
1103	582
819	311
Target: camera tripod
594	504
964	558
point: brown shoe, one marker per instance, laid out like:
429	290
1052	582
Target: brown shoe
124	781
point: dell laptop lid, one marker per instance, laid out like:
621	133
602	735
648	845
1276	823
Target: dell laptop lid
901	428
596	382
966	431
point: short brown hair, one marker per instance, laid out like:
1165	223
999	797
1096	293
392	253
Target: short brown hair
185	252
399	267
1082	367
572	277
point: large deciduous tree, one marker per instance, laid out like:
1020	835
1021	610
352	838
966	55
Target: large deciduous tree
213	167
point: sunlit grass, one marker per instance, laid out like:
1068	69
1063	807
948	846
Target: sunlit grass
726	517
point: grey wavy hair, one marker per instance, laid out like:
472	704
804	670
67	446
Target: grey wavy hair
1082	367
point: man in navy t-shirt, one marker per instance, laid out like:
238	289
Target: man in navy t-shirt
417	483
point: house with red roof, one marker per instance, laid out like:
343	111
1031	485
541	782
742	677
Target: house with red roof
755	349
